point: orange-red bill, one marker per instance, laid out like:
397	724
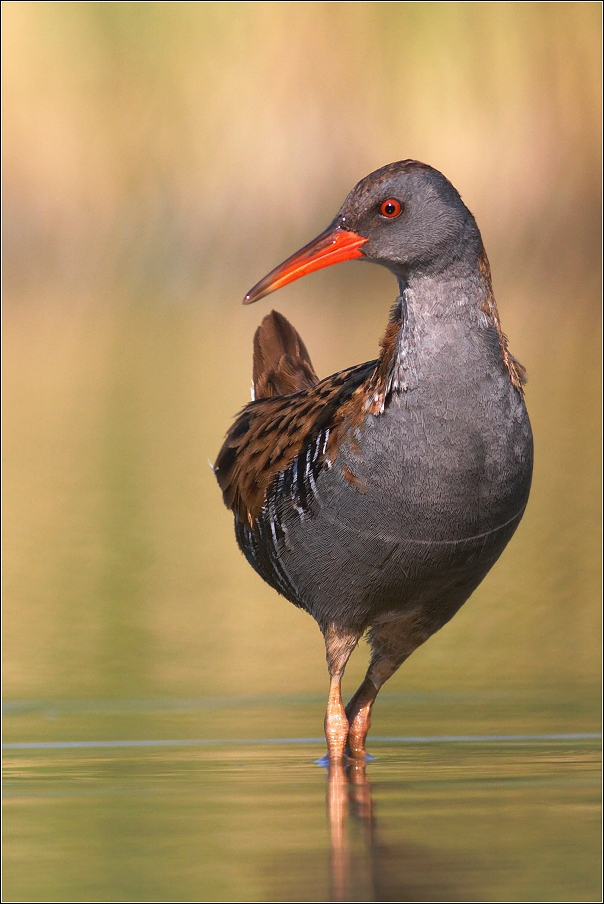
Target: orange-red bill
331	247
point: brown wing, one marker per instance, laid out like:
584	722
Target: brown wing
282	364
275	430
270	434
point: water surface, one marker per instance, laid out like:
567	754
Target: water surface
196	817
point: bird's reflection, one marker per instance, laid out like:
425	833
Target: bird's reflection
348	791
371	857
363	867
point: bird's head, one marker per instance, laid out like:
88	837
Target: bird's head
406	216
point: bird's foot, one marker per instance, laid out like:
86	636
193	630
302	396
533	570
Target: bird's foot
355	747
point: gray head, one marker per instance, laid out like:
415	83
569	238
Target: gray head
406	216
413	219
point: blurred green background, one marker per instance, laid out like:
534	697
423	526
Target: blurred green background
159	158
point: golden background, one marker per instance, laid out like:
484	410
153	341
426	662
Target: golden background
159	158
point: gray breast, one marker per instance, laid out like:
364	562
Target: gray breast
413	512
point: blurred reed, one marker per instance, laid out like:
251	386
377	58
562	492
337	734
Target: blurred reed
149	145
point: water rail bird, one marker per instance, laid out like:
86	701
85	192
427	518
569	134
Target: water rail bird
377	499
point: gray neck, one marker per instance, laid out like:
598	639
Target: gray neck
435	313
458	291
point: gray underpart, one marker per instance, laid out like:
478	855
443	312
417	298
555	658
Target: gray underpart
441	480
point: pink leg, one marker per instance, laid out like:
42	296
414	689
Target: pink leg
338	645
391	643
336	723
358	713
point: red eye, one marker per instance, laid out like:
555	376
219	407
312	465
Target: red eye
391	208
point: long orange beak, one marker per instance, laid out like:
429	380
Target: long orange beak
331	247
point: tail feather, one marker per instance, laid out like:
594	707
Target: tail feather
282	364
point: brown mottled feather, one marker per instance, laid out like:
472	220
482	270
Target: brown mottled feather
282	364
271	431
